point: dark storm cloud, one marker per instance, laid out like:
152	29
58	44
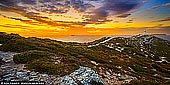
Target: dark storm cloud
8	2
120	6
80	5
29	1
98	13
46	0
34	1
115	7
14	2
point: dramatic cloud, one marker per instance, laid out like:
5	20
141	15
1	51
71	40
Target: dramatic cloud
129	22
83	16
99	9
34	19
153	7
163	20
167	4
15	26
116	21
8	2
93	11
123	15
156	7
29	1
115	7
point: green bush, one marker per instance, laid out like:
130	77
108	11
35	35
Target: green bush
28	56
138	68
142	82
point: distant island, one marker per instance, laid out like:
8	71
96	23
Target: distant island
136	60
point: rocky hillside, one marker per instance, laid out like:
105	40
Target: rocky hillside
140	59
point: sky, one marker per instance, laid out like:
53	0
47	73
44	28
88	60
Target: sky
50	18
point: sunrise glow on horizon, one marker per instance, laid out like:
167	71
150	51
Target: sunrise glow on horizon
49	18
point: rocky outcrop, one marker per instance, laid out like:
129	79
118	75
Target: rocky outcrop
84	76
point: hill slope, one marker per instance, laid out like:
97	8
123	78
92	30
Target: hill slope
139	59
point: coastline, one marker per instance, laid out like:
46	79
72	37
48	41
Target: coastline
82	38
91	38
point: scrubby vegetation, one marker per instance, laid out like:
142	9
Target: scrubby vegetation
61	58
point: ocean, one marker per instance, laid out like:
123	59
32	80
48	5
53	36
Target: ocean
84	38
90	38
